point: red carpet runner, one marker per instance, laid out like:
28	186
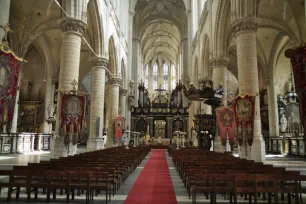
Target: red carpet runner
154	184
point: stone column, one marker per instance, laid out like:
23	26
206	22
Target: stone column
219	67
47	127
130	61
113	109
95	141
151	126
184	65
273	110
169	127
123	101
245	28
4	15
16	108
135	68
69	71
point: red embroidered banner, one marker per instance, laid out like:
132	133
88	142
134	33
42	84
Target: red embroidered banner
119	125
72	117
244	114
227	124
9	75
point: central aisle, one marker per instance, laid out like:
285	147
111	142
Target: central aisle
154	184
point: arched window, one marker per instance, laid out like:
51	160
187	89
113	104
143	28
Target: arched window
155	76
146	75
165	76
173	77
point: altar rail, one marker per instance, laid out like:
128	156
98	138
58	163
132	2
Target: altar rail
295	146
24	142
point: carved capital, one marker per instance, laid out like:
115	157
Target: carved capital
247	24
123	92
132	12
114	81
73	25
99	62
219	61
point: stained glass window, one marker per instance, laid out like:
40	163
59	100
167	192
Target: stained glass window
165	76
155	76
173	76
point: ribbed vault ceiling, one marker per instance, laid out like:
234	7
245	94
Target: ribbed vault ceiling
160	26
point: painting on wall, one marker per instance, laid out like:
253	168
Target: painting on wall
29	115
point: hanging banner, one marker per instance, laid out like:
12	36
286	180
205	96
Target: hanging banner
72	117
244	113
119	125
227	124
9	76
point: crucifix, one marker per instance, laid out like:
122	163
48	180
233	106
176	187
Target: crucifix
160	89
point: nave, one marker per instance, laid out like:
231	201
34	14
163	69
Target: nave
155	180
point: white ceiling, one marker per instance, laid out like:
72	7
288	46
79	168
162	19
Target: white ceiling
160	25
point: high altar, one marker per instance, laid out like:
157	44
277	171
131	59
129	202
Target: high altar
161	116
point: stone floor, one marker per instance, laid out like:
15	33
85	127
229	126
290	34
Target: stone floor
7	161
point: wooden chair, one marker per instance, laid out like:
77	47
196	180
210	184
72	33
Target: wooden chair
265	183
245	184
203	183
58	180
224	184
99	181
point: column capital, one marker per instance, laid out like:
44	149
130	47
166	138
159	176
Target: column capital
131	12
247	24
123	92
73	25
219	61
99	62
114	81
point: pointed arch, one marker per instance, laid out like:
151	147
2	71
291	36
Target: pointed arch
195	78
220	40
112	63
96	22
123	74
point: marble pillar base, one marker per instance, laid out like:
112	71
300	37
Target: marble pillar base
110	142
59	149
243	153
258	150
217	144
94	144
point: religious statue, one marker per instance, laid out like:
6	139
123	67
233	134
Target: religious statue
51	110
187	80
132	84
266	98
283	123
131	99
104	138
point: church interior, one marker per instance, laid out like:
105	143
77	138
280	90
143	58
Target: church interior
153	101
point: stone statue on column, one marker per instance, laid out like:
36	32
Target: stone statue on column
283	123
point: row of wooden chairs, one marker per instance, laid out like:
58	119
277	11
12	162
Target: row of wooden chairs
212	173
90	173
